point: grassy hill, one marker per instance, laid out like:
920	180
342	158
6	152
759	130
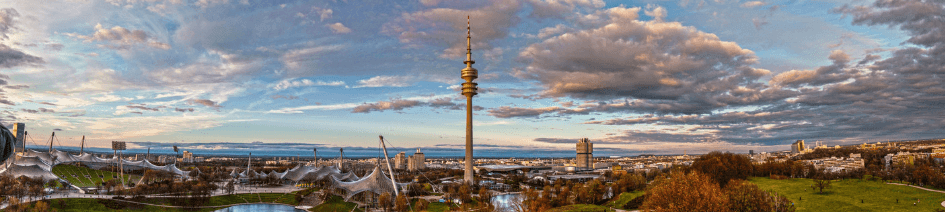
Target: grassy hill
846	195
85	177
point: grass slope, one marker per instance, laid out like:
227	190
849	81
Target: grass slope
845	195
66	171
623	199
335	204
581	208
84	205
81	205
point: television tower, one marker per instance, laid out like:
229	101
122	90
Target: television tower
469	90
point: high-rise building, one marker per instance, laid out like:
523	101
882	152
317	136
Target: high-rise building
585	153
188	156
400	160
417	161
798	147
18	130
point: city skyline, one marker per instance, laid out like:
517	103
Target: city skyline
703	76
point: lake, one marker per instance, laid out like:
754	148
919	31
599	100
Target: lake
260	207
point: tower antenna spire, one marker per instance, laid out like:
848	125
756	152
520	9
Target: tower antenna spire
468	43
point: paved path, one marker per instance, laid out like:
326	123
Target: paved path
927	189
923	188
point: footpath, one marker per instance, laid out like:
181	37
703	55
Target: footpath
923	188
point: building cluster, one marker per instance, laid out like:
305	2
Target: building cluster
415	162
901	159
835	164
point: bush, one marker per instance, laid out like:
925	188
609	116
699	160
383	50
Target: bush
634	203
778	177
421	205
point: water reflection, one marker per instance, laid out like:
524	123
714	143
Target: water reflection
503	202
260	207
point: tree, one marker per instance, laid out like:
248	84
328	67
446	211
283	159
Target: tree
821	179
685	192
402	204
821	184
723	167
384	201
747	197
485	197
464	194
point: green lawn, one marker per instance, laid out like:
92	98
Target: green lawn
581	208
84	205
335	204
438	207
66	171
846	195
623	199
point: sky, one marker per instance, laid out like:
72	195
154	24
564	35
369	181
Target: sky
660	77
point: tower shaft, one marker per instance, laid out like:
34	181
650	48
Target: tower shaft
469	90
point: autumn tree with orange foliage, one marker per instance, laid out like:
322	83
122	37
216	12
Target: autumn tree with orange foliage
685	192
723	167
698	192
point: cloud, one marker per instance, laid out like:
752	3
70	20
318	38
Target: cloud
295	110
204	4
40	110
292	83
16	86
139	107
836	72
758	22
394	104
443	28
205	102
339	28
557	140
753	4
7	21
302	61
558	9
665	63
213	67
10	58
287	97
509	112
121	38
380	106
386	81
183	110
323	13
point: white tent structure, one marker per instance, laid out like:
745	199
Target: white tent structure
39	164
376	182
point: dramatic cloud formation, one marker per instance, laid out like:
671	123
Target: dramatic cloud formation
665	76
677	67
